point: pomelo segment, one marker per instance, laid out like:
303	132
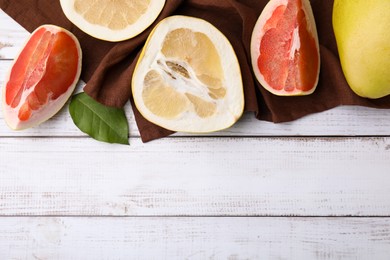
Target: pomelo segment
112	20
284	48
42	77
188	77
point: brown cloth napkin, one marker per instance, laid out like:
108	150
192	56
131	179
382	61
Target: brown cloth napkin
108	67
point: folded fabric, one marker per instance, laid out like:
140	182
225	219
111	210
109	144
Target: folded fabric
108	67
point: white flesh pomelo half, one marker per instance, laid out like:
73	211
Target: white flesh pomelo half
188	78
112	20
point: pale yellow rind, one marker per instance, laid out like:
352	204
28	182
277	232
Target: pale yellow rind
362	30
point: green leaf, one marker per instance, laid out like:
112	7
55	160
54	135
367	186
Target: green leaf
103	123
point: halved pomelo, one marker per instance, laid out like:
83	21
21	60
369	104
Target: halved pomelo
284	48
188	77
42	77
112	20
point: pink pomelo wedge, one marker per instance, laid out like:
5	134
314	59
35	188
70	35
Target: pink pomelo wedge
284	48
42	77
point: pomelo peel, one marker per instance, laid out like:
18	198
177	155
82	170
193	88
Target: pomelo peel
361	29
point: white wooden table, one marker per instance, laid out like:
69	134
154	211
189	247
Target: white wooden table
315	188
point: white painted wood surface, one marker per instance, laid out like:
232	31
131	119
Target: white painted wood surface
194	238
227	195
196	176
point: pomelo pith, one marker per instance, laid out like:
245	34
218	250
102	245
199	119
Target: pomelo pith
188	77
42	77
284	48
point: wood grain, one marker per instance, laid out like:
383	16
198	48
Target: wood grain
196	177
195	238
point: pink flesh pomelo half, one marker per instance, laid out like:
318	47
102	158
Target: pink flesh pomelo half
284	48
42	77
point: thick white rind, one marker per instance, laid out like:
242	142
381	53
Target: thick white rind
53	106
258	33
106	34
232	107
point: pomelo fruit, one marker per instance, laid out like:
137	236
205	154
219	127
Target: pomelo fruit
188	78
42	77
362	31
112	20
284	48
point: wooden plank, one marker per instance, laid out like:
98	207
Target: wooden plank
196	176
195	238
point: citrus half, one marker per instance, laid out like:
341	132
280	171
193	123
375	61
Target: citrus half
112	20
42	77
284	48
188	77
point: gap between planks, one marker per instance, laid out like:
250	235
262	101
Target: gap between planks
201	216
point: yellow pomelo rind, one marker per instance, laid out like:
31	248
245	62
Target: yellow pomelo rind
361	29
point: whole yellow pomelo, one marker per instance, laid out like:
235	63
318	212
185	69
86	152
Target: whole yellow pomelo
362	30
